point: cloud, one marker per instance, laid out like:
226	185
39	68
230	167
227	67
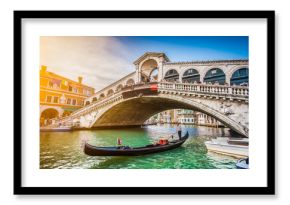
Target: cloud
100	60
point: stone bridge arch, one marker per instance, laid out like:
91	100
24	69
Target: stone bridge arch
135	111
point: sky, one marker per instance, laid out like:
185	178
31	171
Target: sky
103	60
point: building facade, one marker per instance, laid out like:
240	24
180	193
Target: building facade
60	96
184	116
206	120
166	117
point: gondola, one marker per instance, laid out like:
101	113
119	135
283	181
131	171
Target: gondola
130	151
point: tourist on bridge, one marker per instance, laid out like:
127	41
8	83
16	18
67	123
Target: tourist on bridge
179	130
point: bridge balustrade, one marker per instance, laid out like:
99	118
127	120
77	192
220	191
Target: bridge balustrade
240	91
205	88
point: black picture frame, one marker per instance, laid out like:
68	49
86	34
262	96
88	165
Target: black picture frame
268	190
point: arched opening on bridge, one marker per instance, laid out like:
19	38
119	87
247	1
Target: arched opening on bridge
130	82
110	93
147	69
171	76
191	76
144	78
153	77
240	77
87	103
95	99
119	88
215	75
102	96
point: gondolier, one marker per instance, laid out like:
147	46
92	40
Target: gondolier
119	141
179	130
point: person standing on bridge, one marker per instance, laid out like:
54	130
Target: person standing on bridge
179	130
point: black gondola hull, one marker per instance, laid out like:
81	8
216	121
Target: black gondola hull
123	151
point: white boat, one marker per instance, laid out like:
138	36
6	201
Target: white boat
225	146
56	129
243	163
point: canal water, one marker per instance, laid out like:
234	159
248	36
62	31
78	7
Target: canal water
64	150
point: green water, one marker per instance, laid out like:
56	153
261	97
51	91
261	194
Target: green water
64	150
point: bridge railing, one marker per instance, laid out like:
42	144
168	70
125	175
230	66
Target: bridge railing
100	103
91	107
241	91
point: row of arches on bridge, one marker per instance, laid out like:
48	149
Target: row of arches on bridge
111	92
214	75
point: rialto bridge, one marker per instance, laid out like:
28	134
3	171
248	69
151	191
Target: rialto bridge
217	88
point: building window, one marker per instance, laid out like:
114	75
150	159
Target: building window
50	84
68	101
48	99
70	88
55	99
62	99
75	90
74	101
55	85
